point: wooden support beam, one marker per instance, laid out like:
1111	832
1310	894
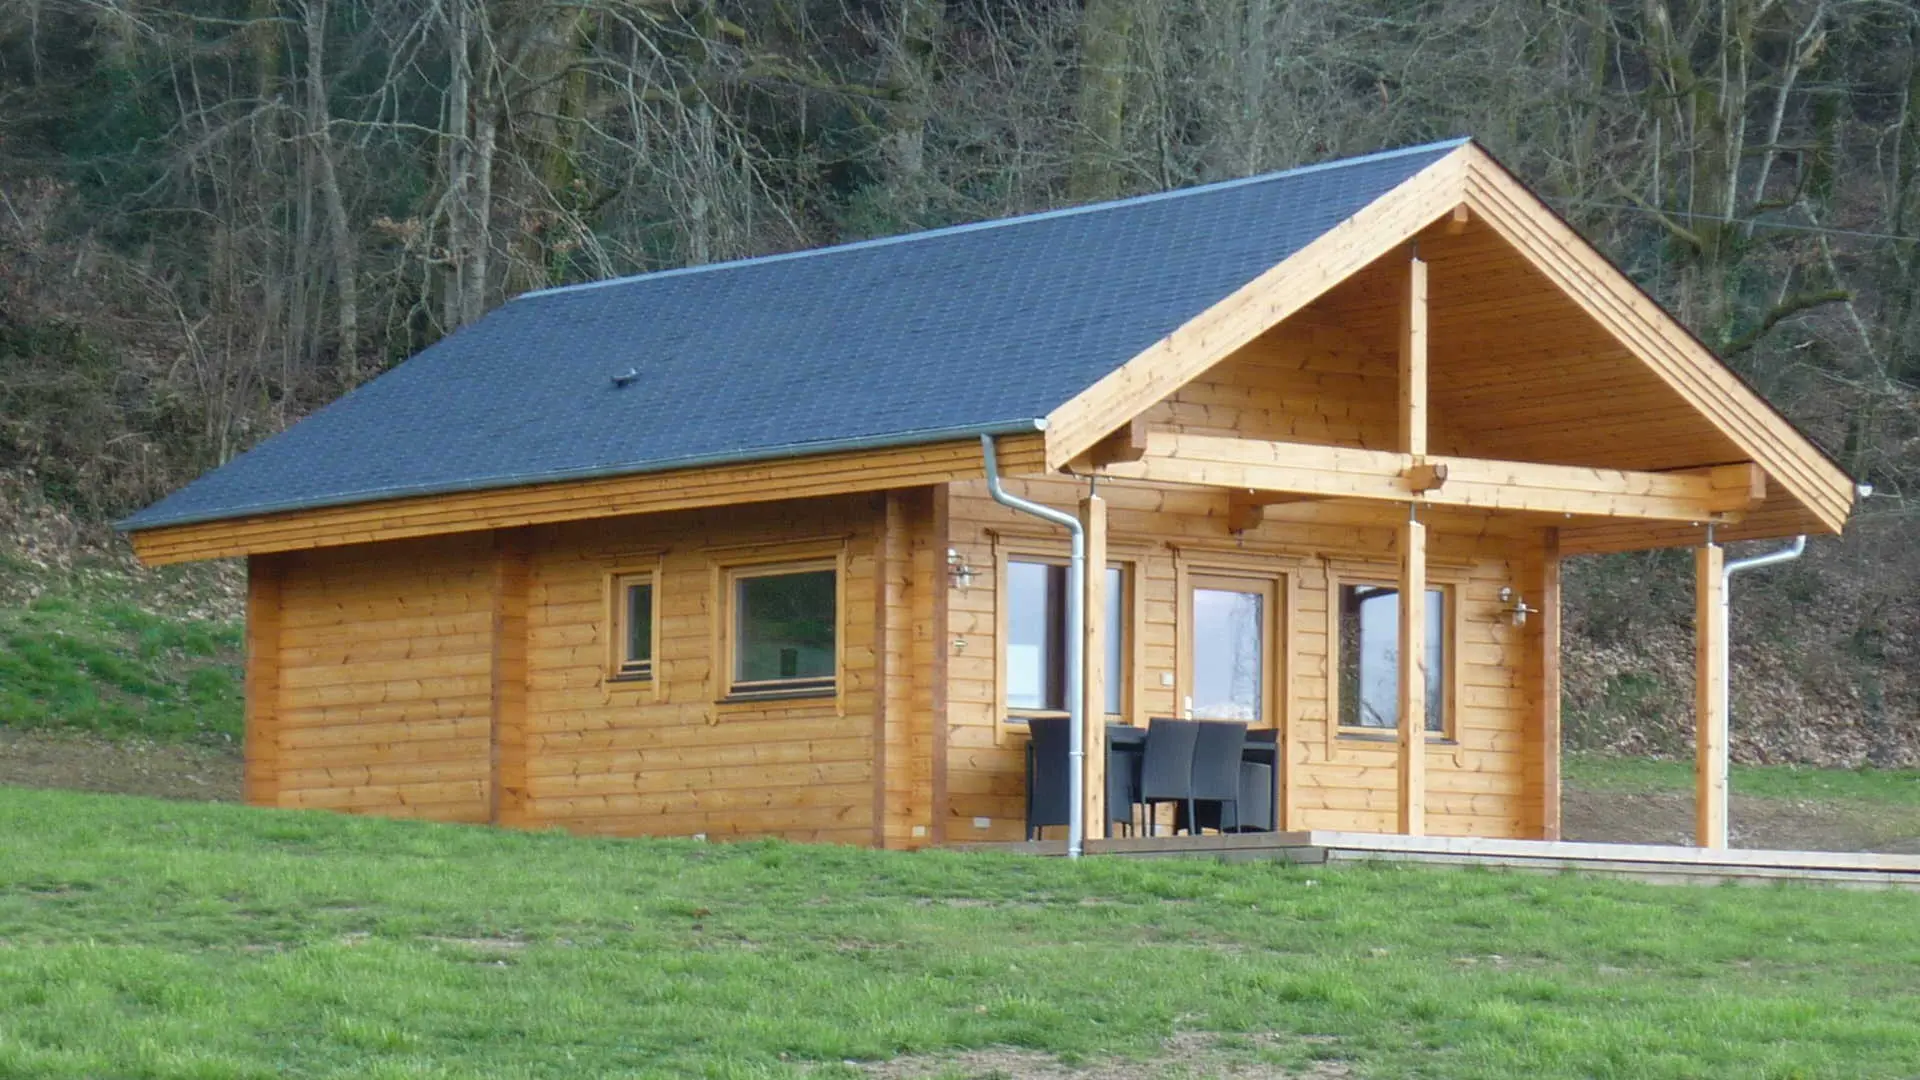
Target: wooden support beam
1283	749
1093	517
1413	360
1458	221
1127	443
1346	472
512	581
1547	701
1710	695
1248	509
1244	513
260	737
1738	486
1426	476
1413	678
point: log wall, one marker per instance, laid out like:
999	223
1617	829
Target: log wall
467	679
1484	781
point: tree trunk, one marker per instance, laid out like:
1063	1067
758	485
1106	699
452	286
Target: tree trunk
339	230
1101	109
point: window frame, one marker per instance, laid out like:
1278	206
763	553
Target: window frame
1011	550
1275	645
727	577
619	666
1450	638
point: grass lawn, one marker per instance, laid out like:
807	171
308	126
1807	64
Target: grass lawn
1894	787
142	938
87	652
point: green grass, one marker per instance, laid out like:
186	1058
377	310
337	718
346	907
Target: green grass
1596	772
87	654
152	939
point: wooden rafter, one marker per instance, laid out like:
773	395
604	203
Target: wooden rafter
1612	299
1211	336
1714	494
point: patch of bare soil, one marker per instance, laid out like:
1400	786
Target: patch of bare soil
1780	824
41	759
1188	1054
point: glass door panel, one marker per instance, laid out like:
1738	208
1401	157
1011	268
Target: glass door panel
1230	645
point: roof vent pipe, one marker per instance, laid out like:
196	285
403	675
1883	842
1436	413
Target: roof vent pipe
1076	641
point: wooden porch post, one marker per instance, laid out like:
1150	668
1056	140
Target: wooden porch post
1093	516
1548	702
1413	677
1413	558
1710	694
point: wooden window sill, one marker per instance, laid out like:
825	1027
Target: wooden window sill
1387	735
630	678
827	694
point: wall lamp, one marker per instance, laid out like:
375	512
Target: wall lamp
959	570
1516	608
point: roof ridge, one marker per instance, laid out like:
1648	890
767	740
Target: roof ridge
994	223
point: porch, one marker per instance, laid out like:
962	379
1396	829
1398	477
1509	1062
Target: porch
1642	862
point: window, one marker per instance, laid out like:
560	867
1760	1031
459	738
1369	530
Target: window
633	626
1036	650
1370	657
781	629
1230	657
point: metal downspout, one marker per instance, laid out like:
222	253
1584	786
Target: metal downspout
1752	562
1076	642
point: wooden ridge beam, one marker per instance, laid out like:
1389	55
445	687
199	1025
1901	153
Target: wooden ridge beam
1716	494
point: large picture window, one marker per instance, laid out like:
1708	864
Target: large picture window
781	629
1036	646
1370	657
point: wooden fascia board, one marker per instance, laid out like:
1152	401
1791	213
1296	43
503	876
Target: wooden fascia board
1779	518
1474	483
1667	348
539	504
1214	334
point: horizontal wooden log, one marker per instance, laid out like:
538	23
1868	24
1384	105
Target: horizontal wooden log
1343	472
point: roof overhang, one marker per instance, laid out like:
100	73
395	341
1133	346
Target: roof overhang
1807	492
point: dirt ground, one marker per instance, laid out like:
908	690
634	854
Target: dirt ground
1783	824
1187	1054
210	773
39	759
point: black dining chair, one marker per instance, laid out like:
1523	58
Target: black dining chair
1217	750
1166	769
1048	794
1123	786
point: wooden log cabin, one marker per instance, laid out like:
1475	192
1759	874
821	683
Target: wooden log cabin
710	551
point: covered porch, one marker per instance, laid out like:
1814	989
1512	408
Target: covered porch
1566	499
1642	862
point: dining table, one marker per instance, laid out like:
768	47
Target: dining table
1127	748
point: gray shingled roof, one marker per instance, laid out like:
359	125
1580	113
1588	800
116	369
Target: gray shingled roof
938	335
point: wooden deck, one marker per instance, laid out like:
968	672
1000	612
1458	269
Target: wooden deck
1644	862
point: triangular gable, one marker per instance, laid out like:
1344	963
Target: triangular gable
1809	492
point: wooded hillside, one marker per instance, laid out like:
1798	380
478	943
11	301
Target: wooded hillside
216	215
